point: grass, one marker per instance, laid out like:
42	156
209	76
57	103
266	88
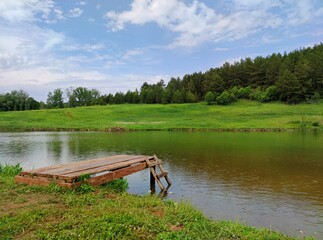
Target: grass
34	212
242	115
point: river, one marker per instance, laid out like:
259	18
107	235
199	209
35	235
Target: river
272	180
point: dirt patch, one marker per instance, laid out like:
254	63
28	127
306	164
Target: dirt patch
158	213
176	228
115	129
11	206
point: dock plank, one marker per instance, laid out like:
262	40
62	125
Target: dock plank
85	165
110	167
117	174
72	164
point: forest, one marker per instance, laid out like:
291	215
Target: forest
290	77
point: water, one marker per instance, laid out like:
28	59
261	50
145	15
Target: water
272	180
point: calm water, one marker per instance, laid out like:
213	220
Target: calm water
272	180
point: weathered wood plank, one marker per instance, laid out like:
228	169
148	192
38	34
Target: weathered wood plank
67	168
153	163
117	174
163	174
40	181
81	169
163	170
97	170
80	163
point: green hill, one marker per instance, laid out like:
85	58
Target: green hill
242	115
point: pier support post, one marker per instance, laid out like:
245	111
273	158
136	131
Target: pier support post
152	181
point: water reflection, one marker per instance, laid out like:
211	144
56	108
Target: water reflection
55	147
264	179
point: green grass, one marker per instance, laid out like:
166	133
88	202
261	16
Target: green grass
241	115
34	212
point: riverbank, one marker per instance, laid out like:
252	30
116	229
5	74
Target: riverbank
33	212
243	115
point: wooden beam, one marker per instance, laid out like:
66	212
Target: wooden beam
41	181
99	180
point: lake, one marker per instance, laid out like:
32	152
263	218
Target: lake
272	180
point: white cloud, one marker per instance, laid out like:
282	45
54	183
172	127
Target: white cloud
129	54
29	11
196	23
76	12
84	47
26	45
59	14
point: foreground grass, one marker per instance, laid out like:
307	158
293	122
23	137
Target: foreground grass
241	115
33	212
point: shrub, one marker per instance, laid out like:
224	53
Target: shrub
316	97
272	93
234	91
255	94
209	97
225	98
266	95
244	92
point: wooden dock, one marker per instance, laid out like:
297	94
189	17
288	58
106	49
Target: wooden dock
95	172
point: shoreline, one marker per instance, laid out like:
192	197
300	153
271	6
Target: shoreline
122	129
107	212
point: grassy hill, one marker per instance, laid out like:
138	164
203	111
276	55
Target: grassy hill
242	115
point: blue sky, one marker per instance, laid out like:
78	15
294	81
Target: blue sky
117	45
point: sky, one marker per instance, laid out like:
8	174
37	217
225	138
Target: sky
118	45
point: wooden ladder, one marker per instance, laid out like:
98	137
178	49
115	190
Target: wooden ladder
158	176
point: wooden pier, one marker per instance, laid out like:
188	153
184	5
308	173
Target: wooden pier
95	172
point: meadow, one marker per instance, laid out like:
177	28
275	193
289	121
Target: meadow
106	212
243	115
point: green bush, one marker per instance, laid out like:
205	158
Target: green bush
225	98
255	94
244	92
234	91
272	93
269	94
316	97
209	97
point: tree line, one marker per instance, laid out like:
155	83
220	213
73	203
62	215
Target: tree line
290	77
18	100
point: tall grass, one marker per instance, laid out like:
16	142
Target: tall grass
10	170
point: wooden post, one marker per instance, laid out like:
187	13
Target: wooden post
152	181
